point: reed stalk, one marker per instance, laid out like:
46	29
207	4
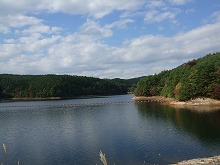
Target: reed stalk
5	151
6	155
4	147
103	158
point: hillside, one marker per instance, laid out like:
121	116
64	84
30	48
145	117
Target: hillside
196	78
65	86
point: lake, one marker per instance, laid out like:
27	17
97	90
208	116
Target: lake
69	132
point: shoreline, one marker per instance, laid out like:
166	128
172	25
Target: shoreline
153	98
208	160
205	104
50	98
31	99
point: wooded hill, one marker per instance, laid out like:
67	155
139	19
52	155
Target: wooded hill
65	86
196	78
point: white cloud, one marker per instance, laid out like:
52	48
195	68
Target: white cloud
213	18
78	57
200	40
147	54
95	8
40	49
216	16
8	51
92	30
155	16
179	2
155	3
12	7
121	24
37	45
158	11
186	45
4	29
16	21
191	10
26	47
19	20
40	28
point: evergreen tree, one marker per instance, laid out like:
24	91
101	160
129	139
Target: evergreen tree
196	78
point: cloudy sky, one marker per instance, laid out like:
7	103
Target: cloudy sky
105	38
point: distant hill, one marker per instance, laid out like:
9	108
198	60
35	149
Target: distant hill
134	80
196	78
65	86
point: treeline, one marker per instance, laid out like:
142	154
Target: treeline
66	86
196	78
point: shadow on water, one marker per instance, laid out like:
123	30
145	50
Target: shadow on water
204	125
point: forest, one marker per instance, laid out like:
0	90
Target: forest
64	86
196	78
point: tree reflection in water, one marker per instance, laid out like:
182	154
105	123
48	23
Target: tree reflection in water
204	124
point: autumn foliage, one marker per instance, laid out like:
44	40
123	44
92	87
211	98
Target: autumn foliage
196	78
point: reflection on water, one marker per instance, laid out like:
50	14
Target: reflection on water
127	133
203	124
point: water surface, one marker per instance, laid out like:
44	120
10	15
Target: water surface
128	133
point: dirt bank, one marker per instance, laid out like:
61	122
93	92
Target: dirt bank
198	103
209	160
154	98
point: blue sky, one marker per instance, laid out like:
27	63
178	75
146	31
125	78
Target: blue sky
106	39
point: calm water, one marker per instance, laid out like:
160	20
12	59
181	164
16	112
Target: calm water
127	133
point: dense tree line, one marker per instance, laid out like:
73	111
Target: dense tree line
43	86
196	78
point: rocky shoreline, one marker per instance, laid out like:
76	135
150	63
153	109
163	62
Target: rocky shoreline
198	103
172	101
153	98
210	160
